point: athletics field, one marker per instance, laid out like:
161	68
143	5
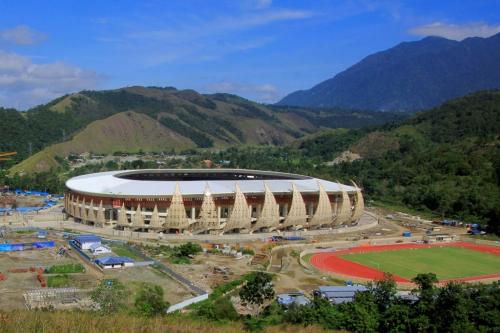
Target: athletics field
450	261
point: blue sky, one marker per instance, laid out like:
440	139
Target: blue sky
259	49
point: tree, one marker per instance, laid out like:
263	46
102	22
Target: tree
149	300
362	314
423	310
258	288
384	292
110	295
395	319
452	309
425	283
220	309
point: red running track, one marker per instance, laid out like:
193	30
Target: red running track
331	262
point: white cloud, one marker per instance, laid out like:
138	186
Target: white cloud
22	35
220	25
266	93
24	84
259	4
456	31
196	40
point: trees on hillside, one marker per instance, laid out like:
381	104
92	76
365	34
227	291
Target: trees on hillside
258	288
149	300
110	296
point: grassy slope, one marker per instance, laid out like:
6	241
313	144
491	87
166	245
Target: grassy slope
89	322
126	131
445	262
192	119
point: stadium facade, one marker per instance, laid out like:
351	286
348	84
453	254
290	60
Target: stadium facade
210	201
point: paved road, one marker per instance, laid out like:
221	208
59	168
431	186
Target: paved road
367	221
180	278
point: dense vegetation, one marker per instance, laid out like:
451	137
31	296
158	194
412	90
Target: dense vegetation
207	120
454	307
445	161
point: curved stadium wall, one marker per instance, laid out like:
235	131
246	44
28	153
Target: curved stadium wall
210	201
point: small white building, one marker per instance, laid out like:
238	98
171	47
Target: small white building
97	249
114	262
84	242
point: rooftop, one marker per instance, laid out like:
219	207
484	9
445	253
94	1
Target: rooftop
114	260
87	239
147	183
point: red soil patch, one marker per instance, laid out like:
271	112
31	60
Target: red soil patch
331	262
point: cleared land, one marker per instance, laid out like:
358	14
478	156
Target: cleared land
445	262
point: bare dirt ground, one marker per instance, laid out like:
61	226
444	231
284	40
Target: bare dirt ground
11	289
7	200
201	270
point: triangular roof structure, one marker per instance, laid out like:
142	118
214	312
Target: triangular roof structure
297	214
122	216
137	218
270	212
91	214
83	210
155	219
100	218
323	213
78	212
344	212
176	216
240	215
209	219
359	204
71	206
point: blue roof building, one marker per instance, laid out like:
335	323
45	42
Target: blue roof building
84	242
114	262
296	298
339	294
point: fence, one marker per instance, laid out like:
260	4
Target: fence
187	302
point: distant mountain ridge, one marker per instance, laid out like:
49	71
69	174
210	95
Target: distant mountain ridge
158	119
410	76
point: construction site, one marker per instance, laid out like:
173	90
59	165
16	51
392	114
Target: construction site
28	279
38	269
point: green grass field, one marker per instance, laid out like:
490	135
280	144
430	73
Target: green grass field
445	262
124	251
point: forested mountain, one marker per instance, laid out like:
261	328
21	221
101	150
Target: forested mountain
445	160
189	119
410	76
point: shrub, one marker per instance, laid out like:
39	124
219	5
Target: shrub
149	300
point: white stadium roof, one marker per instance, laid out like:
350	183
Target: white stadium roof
114	183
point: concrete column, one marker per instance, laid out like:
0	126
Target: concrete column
285	210
219	212
193	213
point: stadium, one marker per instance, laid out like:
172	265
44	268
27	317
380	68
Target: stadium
213	201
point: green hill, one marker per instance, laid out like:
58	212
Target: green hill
205	121
125	131
445	160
